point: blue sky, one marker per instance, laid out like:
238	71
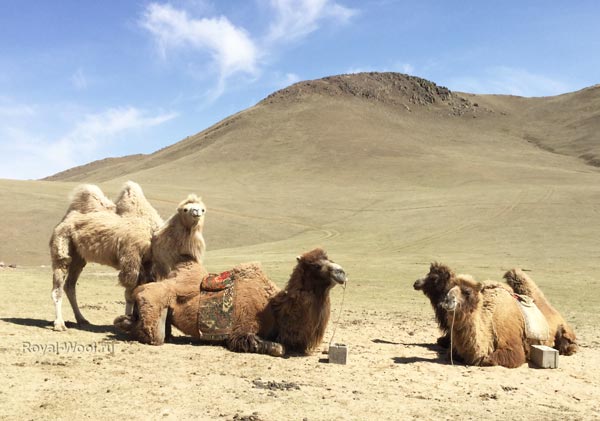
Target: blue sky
84	80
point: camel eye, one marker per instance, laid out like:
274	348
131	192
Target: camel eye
185	210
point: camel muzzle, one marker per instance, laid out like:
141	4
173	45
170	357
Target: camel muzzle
339	276
449	304
418	285
196	213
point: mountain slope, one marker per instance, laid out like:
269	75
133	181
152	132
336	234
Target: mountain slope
386	165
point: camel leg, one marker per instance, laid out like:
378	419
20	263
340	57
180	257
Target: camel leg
128	277
58	281
148	323
444	341
149	332
75	268
129	303
168	326
506	357
252	343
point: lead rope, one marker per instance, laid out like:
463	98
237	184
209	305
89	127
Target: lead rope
339	314
451	331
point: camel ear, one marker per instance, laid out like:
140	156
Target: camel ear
298	258
479	287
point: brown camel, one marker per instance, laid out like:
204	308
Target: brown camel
435	285
486	324
562	335
263	319
124	242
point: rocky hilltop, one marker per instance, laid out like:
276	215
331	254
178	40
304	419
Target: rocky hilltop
394	89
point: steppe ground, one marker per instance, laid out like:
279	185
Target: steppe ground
394	370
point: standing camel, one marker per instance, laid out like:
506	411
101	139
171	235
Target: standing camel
124	242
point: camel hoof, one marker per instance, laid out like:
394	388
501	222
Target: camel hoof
444	341
277	350
59	326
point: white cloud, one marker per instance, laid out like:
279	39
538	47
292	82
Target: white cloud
407	68
79	80
189	33
15	111
510	81
286	80
231	47
354	70
298	18
23	154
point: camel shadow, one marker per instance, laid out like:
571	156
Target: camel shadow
48	325
429	346
412	360
44	324
91	328
442	358
383	341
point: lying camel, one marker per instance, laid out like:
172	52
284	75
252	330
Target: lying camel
263	319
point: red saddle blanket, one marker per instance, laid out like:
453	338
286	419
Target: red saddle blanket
214	282
215	309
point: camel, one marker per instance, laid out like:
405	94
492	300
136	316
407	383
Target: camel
123	242
180	238
263	320
435	285
486	324
561	334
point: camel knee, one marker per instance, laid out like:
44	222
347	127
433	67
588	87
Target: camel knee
59	276
128	277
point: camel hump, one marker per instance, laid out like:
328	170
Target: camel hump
87	198
520	282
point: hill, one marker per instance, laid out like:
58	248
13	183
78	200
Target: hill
372	164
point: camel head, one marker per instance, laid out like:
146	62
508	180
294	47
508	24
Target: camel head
315	271
192	211
437	282
463	296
